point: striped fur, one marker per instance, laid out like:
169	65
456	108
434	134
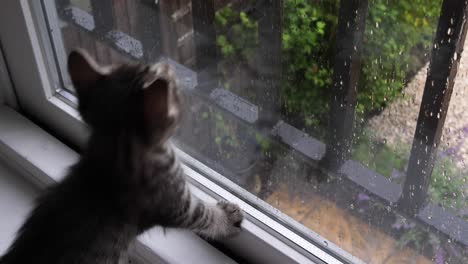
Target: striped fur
128	178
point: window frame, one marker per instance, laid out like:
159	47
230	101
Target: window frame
32	67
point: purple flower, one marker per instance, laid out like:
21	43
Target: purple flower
465	130
396	174
363	197
439	256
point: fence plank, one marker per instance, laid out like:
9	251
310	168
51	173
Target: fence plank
448	45
347	64
203	14
103	13
61	6
269	60
148	30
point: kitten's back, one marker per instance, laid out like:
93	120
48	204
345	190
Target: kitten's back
73	224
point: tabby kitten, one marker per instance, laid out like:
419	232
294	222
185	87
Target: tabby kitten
128	178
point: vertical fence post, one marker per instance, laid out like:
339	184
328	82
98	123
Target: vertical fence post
203	13
103	13
346	70
448	45
149	29
269	60
61	6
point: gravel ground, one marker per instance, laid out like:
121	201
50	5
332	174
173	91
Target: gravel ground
397	123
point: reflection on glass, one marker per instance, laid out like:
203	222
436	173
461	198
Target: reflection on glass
258	78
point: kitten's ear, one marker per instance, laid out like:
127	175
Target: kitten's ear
156	102
83	70
160	109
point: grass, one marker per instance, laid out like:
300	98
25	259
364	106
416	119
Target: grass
448	182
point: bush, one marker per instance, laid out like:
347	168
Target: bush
447	185
394	29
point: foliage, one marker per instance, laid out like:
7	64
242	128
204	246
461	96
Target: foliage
447	183
393	30
308	32
415	235
378	156
238	38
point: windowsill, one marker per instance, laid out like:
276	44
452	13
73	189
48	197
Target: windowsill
43	160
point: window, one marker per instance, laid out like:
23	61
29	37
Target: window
308	109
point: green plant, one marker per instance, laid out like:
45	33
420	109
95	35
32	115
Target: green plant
397	35
415	235
393	30
237	35
308	32
379	156
447	185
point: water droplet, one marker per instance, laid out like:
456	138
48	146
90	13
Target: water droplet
449	31
429	217
377	24
438	115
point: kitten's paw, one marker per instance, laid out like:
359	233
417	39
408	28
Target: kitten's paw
234	217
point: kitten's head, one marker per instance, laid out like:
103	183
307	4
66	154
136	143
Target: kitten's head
135	98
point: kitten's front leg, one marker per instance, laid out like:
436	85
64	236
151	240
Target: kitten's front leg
211	221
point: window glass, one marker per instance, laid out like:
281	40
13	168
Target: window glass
263	80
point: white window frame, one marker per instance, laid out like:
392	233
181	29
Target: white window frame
30	61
